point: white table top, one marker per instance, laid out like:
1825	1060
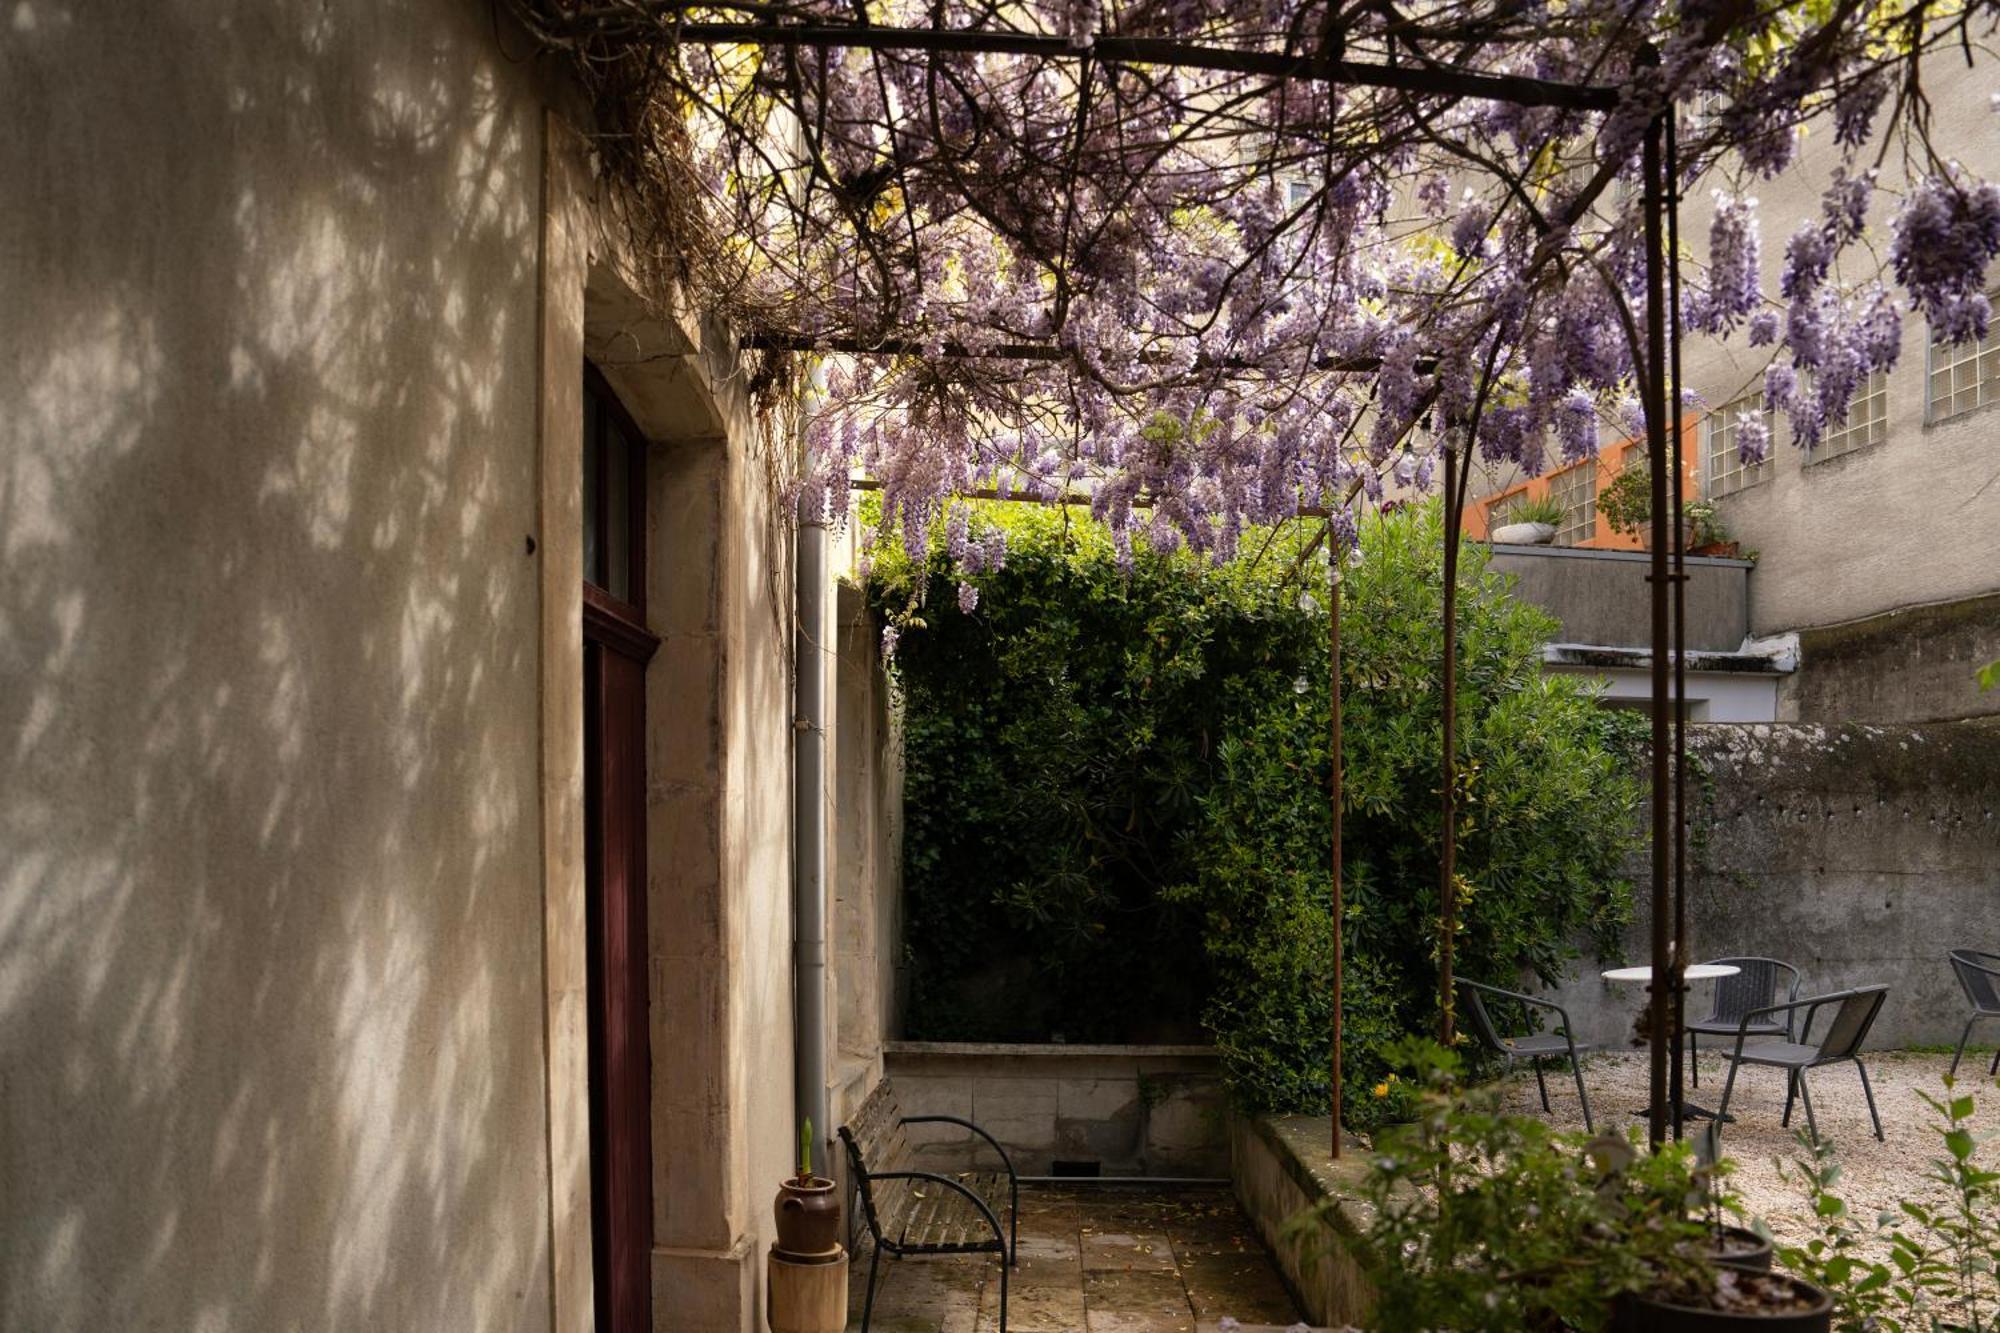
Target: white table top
1695	972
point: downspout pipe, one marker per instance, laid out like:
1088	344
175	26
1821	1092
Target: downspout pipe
809	1042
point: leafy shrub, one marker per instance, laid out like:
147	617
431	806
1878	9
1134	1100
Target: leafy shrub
1116	799
1943	1269
1480	1220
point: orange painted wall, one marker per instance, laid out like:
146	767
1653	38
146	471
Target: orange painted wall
1610	461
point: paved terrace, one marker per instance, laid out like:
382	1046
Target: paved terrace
1100	1259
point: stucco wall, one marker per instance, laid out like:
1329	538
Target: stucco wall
271	1049
1602	597
1859	854
1911	520
865	827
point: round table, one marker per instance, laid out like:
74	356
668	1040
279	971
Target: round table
1693	972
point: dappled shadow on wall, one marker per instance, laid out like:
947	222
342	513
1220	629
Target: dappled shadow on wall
270	975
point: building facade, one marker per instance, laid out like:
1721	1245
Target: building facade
1877	550
395	659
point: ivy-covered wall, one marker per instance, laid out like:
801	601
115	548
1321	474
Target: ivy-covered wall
1116	804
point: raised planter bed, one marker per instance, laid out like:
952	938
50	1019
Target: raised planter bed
1281	1168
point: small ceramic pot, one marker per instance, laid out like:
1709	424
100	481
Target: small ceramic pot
808	1216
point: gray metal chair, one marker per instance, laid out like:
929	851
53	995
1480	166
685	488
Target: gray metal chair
1758	981
1532	1047
1979	977
1855	1013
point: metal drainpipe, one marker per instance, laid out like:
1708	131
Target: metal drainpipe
809	842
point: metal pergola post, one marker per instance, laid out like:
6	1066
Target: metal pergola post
1654	394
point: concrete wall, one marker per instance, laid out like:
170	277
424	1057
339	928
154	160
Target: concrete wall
1859	854
1602	597
271	970
1914	665
1133	1110
1914	519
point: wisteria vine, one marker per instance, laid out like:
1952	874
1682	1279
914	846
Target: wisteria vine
1209	298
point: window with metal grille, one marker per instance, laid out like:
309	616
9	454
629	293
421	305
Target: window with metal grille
1963	376
1576	488
1866	422
1724	471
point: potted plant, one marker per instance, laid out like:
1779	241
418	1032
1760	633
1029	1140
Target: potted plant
1392	1106
1708	536
1627	505
1477	1219
806	1209
1728	1243
1531	522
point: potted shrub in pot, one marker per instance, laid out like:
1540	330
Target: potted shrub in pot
1475	1219
1627	505
1531	523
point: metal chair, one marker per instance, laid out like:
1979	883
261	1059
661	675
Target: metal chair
1856	1013
1979	977
1757	981
1532	1047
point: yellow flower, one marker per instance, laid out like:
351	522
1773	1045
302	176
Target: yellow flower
1381	1089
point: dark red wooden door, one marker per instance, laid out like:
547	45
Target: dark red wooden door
621	1151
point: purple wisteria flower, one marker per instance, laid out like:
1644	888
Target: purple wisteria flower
1732	266
1753	439
1944	237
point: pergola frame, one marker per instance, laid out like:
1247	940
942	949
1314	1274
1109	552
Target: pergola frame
1658	366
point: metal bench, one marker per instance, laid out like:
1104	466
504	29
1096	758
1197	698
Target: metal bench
924	1212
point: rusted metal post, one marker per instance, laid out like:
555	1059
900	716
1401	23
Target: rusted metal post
1454	508
1677	482
1654	391
1339	909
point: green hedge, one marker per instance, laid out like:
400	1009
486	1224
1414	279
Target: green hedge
1116	815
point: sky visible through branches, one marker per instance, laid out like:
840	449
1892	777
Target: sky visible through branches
1212	297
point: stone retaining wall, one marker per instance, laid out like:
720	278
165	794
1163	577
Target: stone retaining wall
1126	1110
1859	854
1282	1167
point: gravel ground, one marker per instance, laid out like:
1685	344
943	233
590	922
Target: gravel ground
1875	1176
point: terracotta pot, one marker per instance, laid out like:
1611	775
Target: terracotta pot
1646	1314
808	1216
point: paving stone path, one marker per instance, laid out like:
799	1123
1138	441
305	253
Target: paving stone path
1098	1259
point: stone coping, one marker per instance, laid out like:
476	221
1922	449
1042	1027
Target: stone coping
1052	1048
1623	557
1303	1147
1283	1172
